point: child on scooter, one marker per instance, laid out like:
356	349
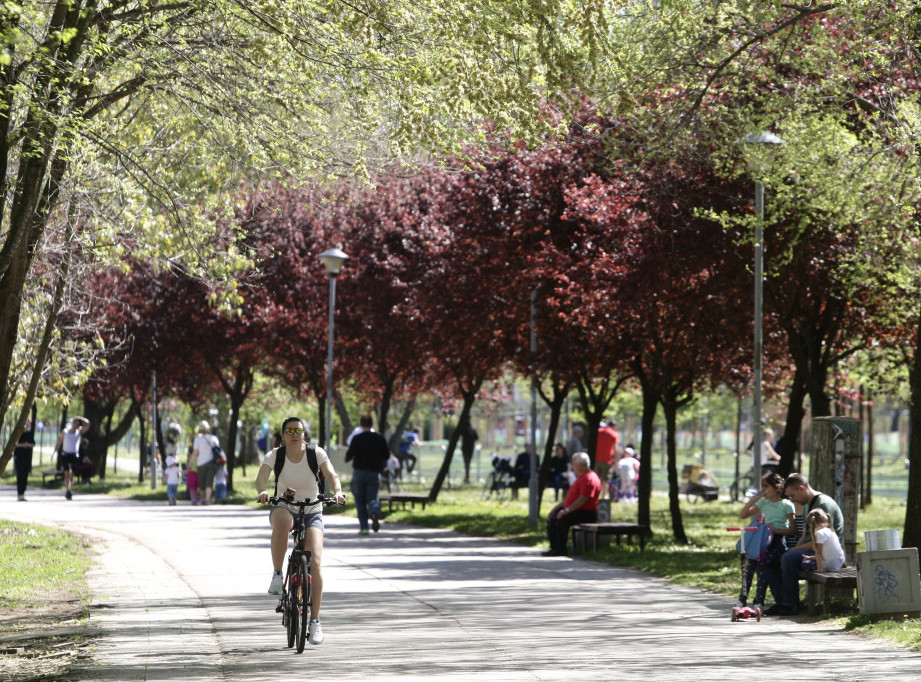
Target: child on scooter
779	517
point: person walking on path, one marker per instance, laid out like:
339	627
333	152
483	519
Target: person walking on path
469	437
172	476
296	475
606	447
68	447
797	488
368	453
203	451
576	442
22	460
579	506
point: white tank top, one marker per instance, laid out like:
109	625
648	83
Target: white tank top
71	443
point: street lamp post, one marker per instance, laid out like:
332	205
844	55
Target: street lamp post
533	483
759	149
332	261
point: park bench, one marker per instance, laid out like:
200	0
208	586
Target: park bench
403	498
582	532
841	583
55	474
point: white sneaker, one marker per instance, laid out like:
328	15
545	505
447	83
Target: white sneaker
315	632
278	583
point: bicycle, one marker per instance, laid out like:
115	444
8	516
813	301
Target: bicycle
294	604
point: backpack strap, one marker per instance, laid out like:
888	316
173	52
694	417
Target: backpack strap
281	455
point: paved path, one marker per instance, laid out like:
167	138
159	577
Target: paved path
180	595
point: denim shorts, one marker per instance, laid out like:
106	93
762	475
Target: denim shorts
312	519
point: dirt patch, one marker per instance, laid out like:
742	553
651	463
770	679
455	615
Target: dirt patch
44	641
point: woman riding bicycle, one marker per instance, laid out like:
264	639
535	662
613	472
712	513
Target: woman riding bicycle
297	475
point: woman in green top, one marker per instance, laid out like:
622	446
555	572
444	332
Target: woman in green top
779	516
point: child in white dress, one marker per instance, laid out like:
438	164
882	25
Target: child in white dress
829	556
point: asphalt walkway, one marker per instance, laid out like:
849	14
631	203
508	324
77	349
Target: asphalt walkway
180	594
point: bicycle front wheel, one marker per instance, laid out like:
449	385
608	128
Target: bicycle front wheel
302	606
290	616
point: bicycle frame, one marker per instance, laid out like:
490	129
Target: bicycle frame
296	598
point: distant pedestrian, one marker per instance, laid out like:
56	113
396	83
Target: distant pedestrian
191	478
469	437
172	476
220	483
368	453
521	471
408	440
607	444
576	442
204	447
22	460
559	470
68	448
628	472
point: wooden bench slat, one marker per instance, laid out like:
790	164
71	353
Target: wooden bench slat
403	498
615	528
846	578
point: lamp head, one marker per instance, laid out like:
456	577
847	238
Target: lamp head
758	149
333	260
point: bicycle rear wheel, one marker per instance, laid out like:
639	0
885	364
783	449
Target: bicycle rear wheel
291	604
302	606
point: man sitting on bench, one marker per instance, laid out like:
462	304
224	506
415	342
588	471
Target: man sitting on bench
797	488
579	506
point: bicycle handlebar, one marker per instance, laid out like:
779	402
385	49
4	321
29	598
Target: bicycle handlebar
325	499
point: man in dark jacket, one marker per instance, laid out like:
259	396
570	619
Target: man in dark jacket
368	453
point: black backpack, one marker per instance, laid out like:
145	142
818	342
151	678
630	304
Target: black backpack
281	456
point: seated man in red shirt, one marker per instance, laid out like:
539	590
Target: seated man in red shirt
580	505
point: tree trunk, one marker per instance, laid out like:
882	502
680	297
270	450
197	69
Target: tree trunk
347	425
41	355
594	404
670	408
142	443
867	497
242	384
912	535
469	397
644	486
556	402
792	429
394	440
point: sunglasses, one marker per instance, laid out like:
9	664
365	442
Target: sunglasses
292	432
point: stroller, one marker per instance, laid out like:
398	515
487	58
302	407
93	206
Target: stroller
698	483
499	480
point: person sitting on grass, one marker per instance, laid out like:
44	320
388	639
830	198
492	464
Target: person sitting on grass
829	556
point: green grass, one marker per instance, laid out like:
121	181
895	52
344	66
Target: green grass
45	560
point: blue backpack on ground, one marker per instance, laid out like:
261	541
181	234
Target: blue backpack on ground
756	541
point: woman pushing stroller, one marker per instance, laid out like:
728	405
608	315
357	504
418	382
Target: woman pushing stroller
779	516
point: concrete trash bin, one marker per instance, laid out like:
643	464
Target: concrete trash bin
888	582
